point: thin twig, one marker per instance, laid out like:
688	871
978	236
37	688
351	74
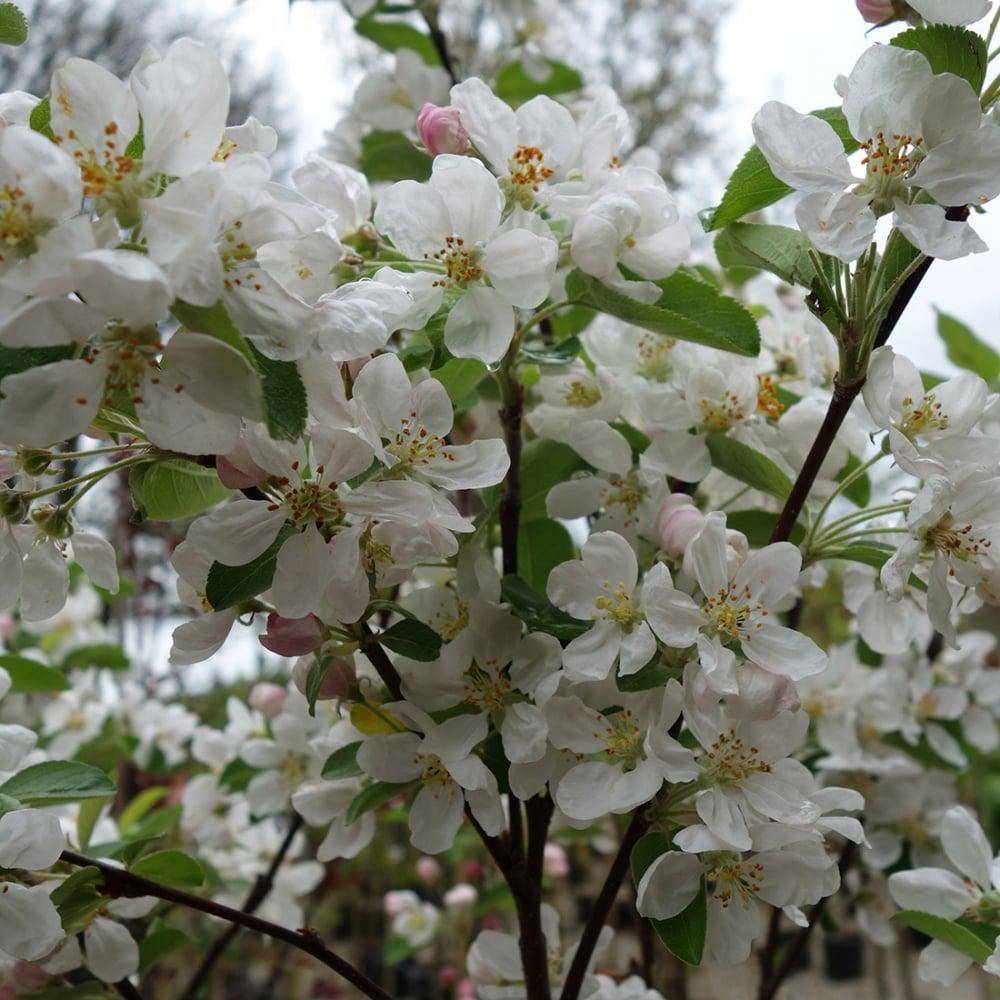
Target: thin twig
441	45
118	882
602	905
127	990
379	659
258	893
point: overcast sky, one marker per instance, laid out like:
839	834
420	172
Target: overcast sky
786	50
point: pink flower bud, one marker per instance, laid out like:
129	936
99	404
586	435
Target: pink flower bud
292	636
338	680
876	11
555	863
269	699
472	871
428	870
441	130
460	897
448	975
238	470
397	901
466	990
677	522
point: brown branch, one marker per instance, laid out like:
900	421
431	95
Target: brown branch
441	45
602	906
510	503
258	893
379	659
769	986
118	882
127	990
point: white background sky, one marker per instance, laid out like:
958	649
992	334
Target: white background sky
789	50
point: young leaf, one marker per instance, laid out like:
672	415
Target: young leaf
688	309
948	932
178	488
460	376
541	545
56	781
171	868
394	35
86	819
14	360
752	186
748	465
949	49
538	613
137	809
966	350
158	944
30	677
413	639
390	156
103	655
40	119
371	797
758	525
231	585
213	321
78	897
515	87
13	25
544	464
343	763
285	405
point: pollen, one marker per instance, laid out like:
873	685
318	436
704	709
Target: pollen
459	261
767	399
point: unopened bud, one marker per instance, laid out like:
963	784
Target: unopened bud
876	11
52	521
428	870
677	522
13	506
337	681
268	699
35	461
238	470
292	636
460	897
441	130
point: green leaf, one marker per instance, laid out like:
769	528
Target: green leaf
230	585
413	639
160	943
689	309
396	950
949	932
86	819
213	321
13	25
40	118
14	360
178	488
58	781
683	935
371	797
860	491
653	675
514	86
171	868
102	654
137	809
747	465
544	464
30	677
538	613
966	350
874	554
752	186
541	545
460	376
949	49
561	353
758	526
390	156
343	763
78	898
285	404
393	35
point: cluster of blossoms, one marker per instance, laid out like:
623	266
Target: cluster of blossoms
510	488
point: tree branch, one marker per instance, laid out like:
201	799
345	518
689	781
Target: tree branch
379	659
258	893
118	882
602	906
769	985
440	44
511	414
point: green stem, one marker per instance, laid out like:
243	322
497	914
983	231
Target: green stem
845	484
88	476
859	517
541	314
890	293
59	456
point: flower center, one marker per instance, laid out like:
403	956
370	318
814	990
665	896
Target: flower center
886	162
528	173
957	541
19	228
767	397
927	415
622	738
720	414
654	358
626	492
312	501
731	612
582	394
729	760
618	606
132	358
449	625
415	445
434	772
233	250
460	263
730	879
486	687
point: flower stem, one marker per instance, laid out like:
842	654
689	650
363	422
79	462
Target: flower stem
88	476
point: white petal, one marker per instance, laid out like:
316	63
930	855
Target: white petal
932	890
98	559
112	954
668	885
29	923
30	838
480	325
966	845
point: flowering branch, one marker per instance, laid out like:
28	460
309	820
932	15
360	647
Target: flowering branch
258	893
123	883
